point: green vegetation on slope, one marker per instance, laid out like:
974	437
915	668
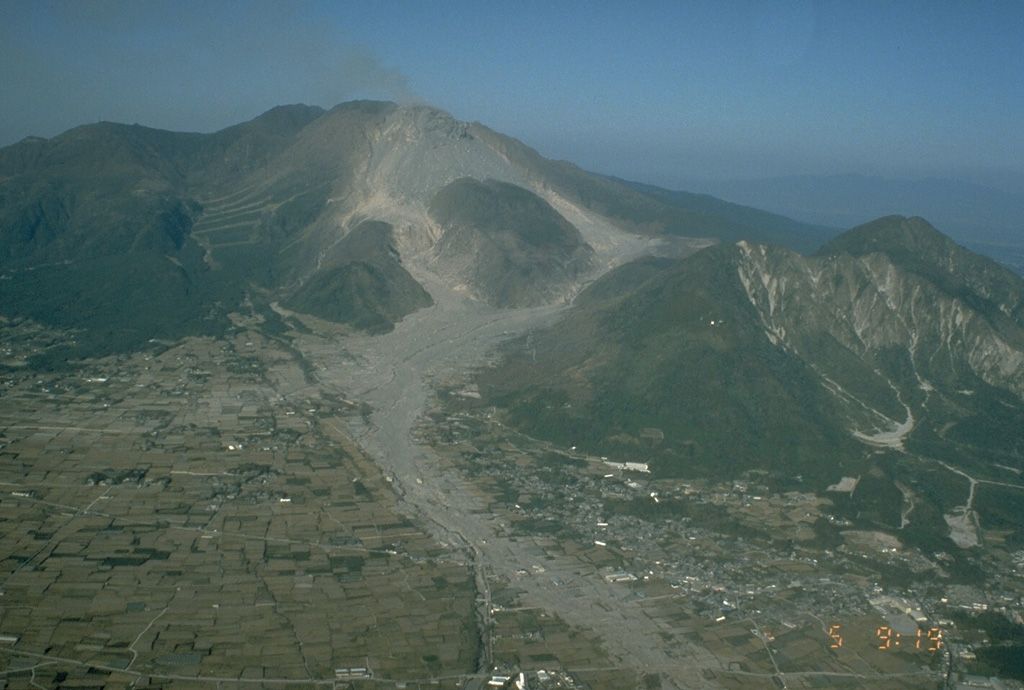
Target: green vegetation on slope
652	211
803	237
676	372
369	290
153	297
506	242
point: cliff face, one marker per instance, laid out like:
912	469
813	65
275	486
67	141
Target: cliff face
756	356
890	343
896	285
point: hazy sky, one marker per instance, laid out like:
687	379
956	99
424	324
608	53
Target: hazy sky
652	91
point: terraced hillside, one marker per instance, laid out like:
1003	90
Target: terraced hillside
264	207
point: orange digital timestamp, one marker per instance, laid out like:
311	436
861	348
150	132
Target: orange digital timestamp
837	639
929	640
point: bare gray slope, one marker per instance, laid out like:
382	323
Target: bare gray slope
266	206
421	149
506	244
369	289
393	373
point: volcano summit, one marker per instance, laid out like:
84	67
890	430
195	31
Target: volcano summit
374	396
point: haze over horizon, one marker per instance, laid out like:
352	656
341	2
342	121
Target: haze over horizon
662	93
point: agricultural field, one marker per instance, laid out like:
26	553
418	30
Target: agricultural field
198	513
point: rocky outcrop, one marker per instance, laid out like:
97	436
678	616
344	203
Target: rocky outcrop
756	356
505	244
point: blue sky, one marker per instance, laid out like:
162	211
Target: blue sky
659	93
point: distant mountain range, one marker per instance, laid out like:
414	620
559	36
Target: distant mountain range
126	233
985	214
704	337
